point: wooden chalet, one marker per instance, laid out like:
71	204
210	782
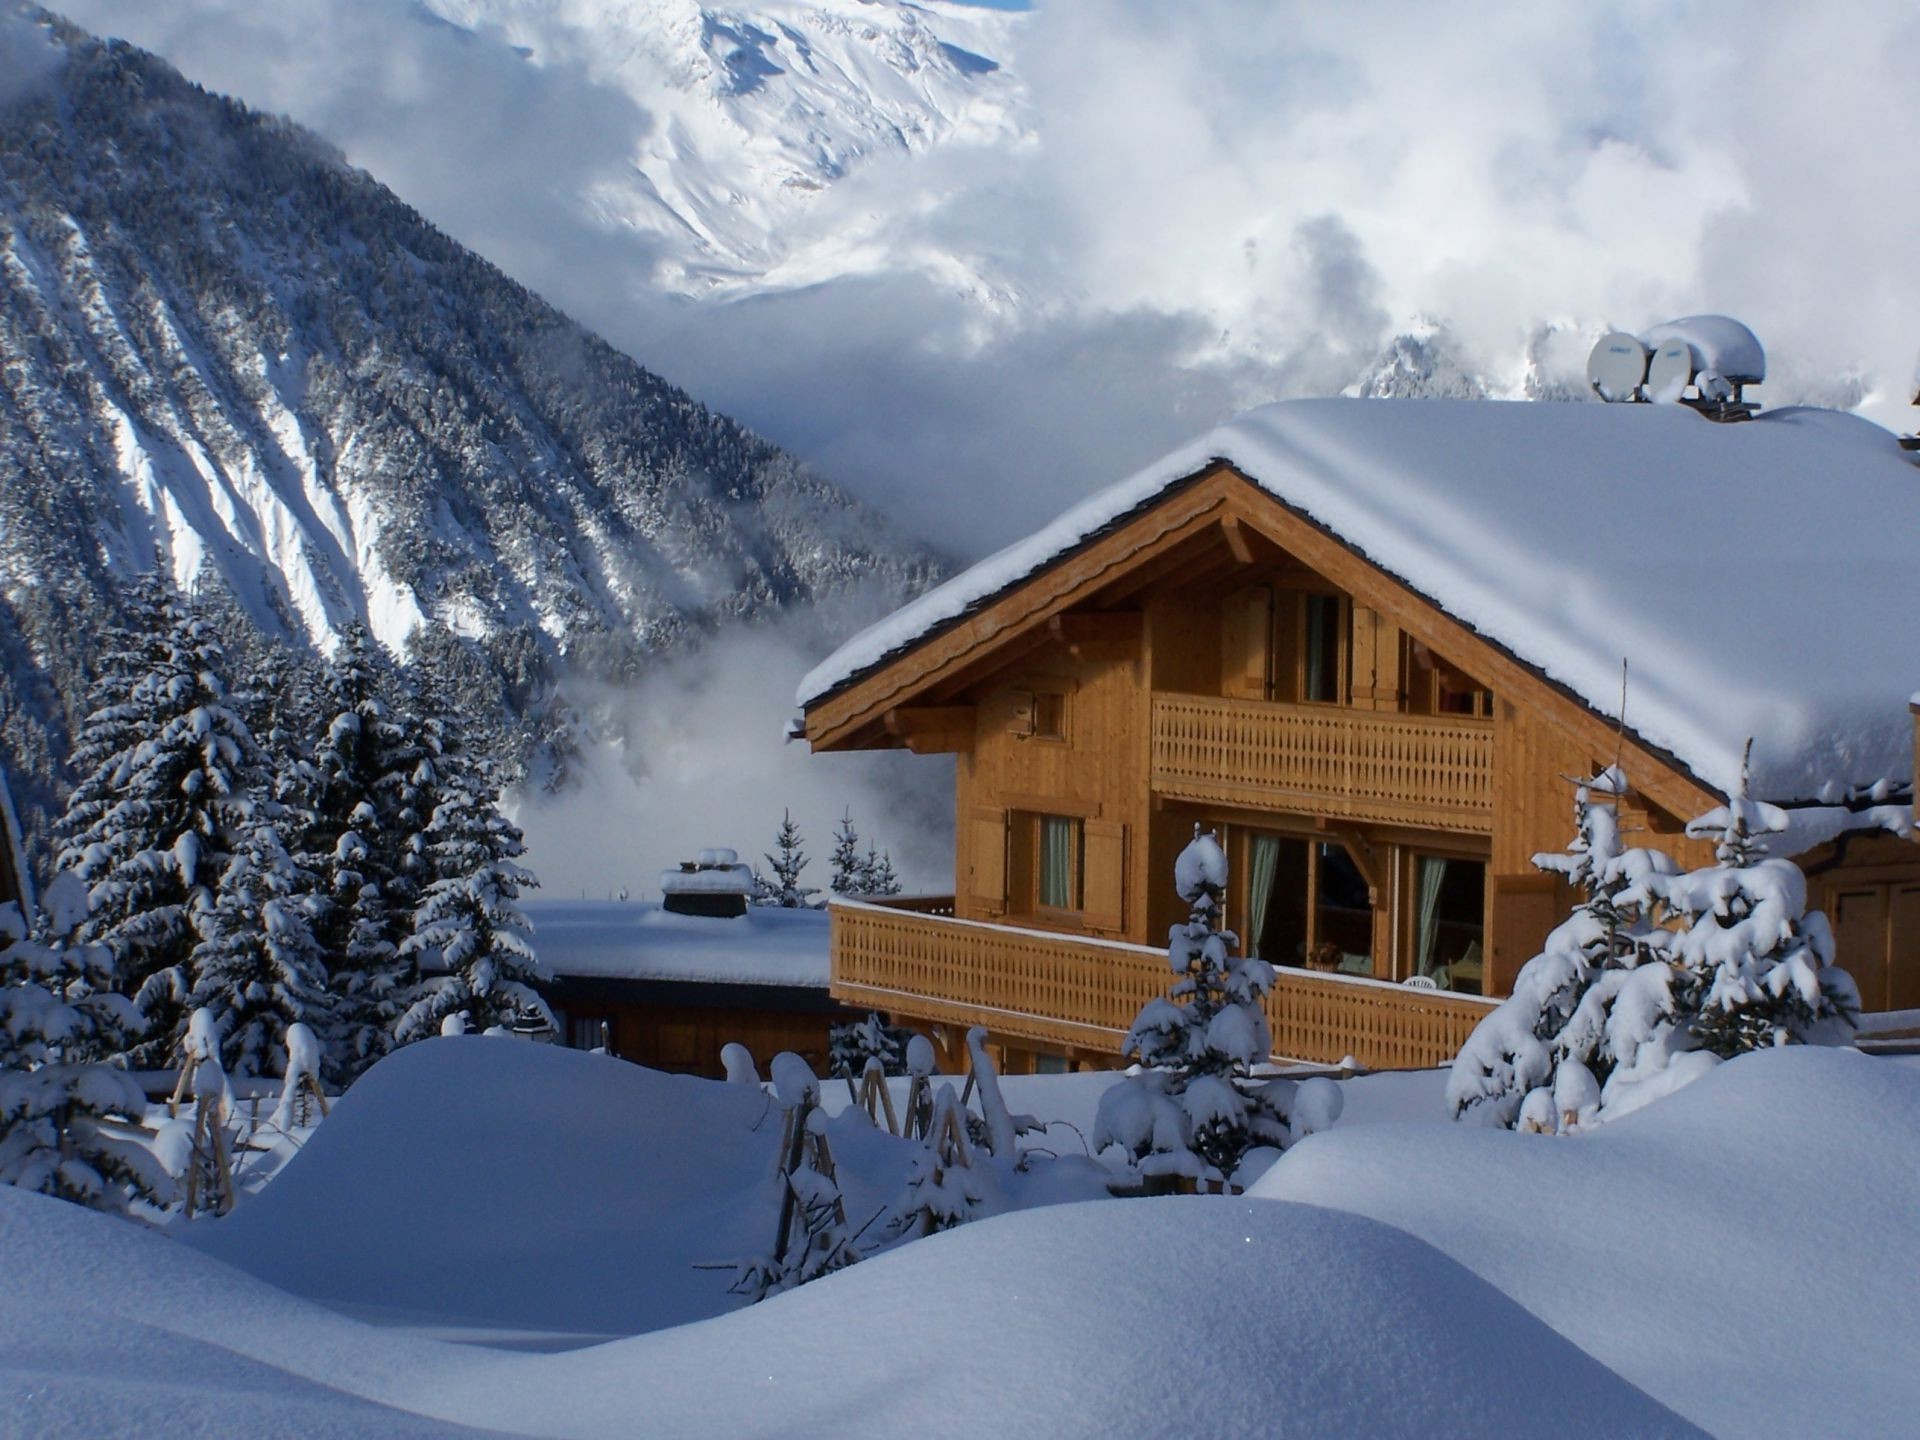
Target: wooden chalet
1370	642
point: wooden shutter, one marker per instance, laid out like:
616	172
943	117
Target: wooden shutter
1903	945
1246	644
1525	910
1860	941
987	859
1103	876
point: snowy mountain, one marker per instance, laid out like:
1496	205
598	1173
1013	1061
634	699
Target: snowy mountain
747	113
220	342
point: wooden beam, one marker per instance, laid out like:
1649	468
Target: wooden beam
1237	542
933	729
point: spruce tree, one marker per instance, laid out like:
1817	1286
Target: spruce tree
787	861
171	780
258	969
847	875
1197	1111
470	938
59	1020
876	874
359	836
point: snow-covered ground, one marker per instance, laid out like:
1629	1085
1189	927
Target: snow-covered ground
1734	1258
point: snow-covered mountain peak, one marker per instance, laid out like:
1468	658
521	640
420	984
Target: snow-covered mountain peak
757	109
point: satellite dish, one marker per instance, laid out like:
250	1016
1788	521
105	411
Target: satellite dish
1713	386
1672	369
1617	367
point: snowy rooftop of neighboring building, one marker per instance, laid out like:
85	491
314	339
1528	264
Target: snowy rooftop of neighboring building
1757	576
636	940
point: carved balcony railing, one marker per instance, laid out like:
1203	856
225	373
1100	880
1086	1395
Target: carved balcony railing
1325	760
1065	991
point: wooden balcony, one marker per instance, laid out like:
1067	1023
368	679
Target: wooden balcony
1325	760
1065	991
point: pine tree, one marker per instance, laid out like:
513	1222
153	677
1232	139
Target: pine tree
1757	969
1656	977
59	1019
258	969
359	835
846	877
470	937
786	862
1197	1111
876	874
850	1046
172	777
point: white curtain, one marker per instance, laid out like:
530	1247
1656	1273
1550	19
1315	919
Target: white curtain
1056	862
1263	859
1427	913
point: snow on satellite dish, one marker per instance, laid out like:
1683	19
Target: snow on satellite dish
1719	344
1617	367
1671	370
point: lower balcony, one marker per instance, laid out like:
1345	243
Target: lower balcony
1065	992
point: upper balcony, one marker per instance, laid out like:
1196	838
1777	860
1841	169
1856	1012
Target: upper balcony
1067	992
1325	760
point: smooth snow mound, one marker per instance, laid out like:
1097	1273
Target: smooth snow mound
1742	1250
1171	1317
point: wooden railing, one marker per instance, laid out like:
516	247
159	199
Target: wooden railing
1065	991
1325	760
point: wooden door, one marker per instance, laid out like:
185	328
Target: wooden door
1860	940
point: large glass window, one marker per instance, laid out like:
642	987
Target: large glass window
1308	904
1449	922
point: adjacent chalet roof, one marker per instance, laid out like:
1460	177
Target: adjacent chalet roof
1757	576
636	940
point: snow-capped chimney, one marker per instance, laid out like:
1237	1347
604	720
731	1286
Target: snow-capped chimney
716	885
1704	362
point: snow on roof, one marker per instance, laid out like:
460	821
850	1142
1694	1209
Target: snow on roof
1755	575
634	940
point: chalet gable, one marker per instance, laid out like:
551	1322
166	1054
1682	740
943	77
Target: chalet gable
1517	540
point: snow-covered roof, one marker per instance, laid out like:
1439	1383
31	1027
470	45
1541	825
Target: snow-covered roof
1757	576
632	940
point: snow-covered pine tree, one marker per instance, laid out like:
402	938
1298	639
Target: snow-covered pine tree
1197	1111
1597	997
470	937
358	837
258	969
1757	968
154	817
786	863
847	874
850	1046
876	874
59	1019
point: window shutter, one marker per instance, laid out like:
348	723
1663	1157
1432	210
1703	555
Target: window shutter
987	859
1525	910
1103	880
1246	648
1903	947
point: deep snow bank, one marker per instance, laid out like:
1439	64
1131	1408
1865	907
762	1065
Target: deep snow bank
1742	1250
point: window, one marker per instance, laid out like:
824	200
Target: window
1436	687
1049	715
589	1032
1448	920
1058	872
1308	904
1320	650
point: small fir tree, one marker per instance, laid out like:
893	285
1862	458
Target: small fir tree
786	863
850	1046
59	1019
876	874
258	969
1198	1111
847	876
471	939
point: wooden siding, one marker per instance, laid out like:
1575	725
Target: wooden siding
1069	993
1325	760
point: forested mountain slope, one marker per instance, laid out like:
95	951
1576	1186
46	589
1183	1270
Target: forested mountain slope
221	344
